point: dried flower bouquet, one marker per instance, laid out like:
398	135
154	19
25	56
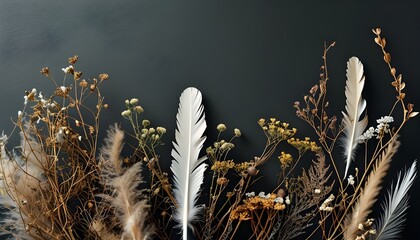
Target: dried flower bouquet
58	184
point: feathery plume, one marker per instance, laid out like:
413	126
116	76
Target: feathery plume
369	194
394	207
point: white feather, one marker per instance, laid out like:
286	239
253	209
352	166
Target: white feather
395	206
355	105
187	168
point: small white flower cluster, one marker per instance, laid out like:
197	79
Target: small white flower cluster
263	195
267	196
367	135
350	179
250	194
317	191
325	205
383	124
383	127
46	103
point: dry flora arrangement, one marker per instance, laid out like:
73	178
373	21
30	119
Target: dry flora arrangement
63	182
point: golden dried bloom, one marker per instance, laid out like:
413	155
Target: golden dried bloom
103	76
106	105
73	60
285	159
45	71
222	167
92	87
261	122
83	83
242	167
222	181
91	130
279	206
77	75
221	127
304	145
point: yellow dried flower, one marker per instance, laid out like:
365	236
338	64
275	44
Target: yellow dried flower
304	145
285	159
77	75
222	167
83	83
103	76
242	167
73	60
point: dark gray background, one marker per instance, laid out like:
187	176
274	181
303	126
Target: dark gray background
250	59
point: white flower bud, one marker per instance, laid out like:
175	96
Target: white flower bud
221	127
134	101
126	113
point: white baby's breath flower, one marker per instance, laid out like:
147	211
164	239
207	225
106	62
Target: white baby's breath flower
360	226
317	191
250	194
261	194
350	179
68	69
287	200
367	135
20	113
278	200
80	138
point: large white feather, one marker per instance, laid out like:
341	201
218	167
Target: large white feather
187	168
395	206
355	105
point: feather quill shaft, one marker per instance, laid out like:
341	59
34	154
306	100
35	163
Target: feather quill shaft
355	106
395	206
187	168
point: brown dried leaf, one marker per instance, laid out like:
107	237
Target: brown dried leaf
402	86
383	42
410	107
399	78
378	40
394	83
387	57
413	114
393	71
